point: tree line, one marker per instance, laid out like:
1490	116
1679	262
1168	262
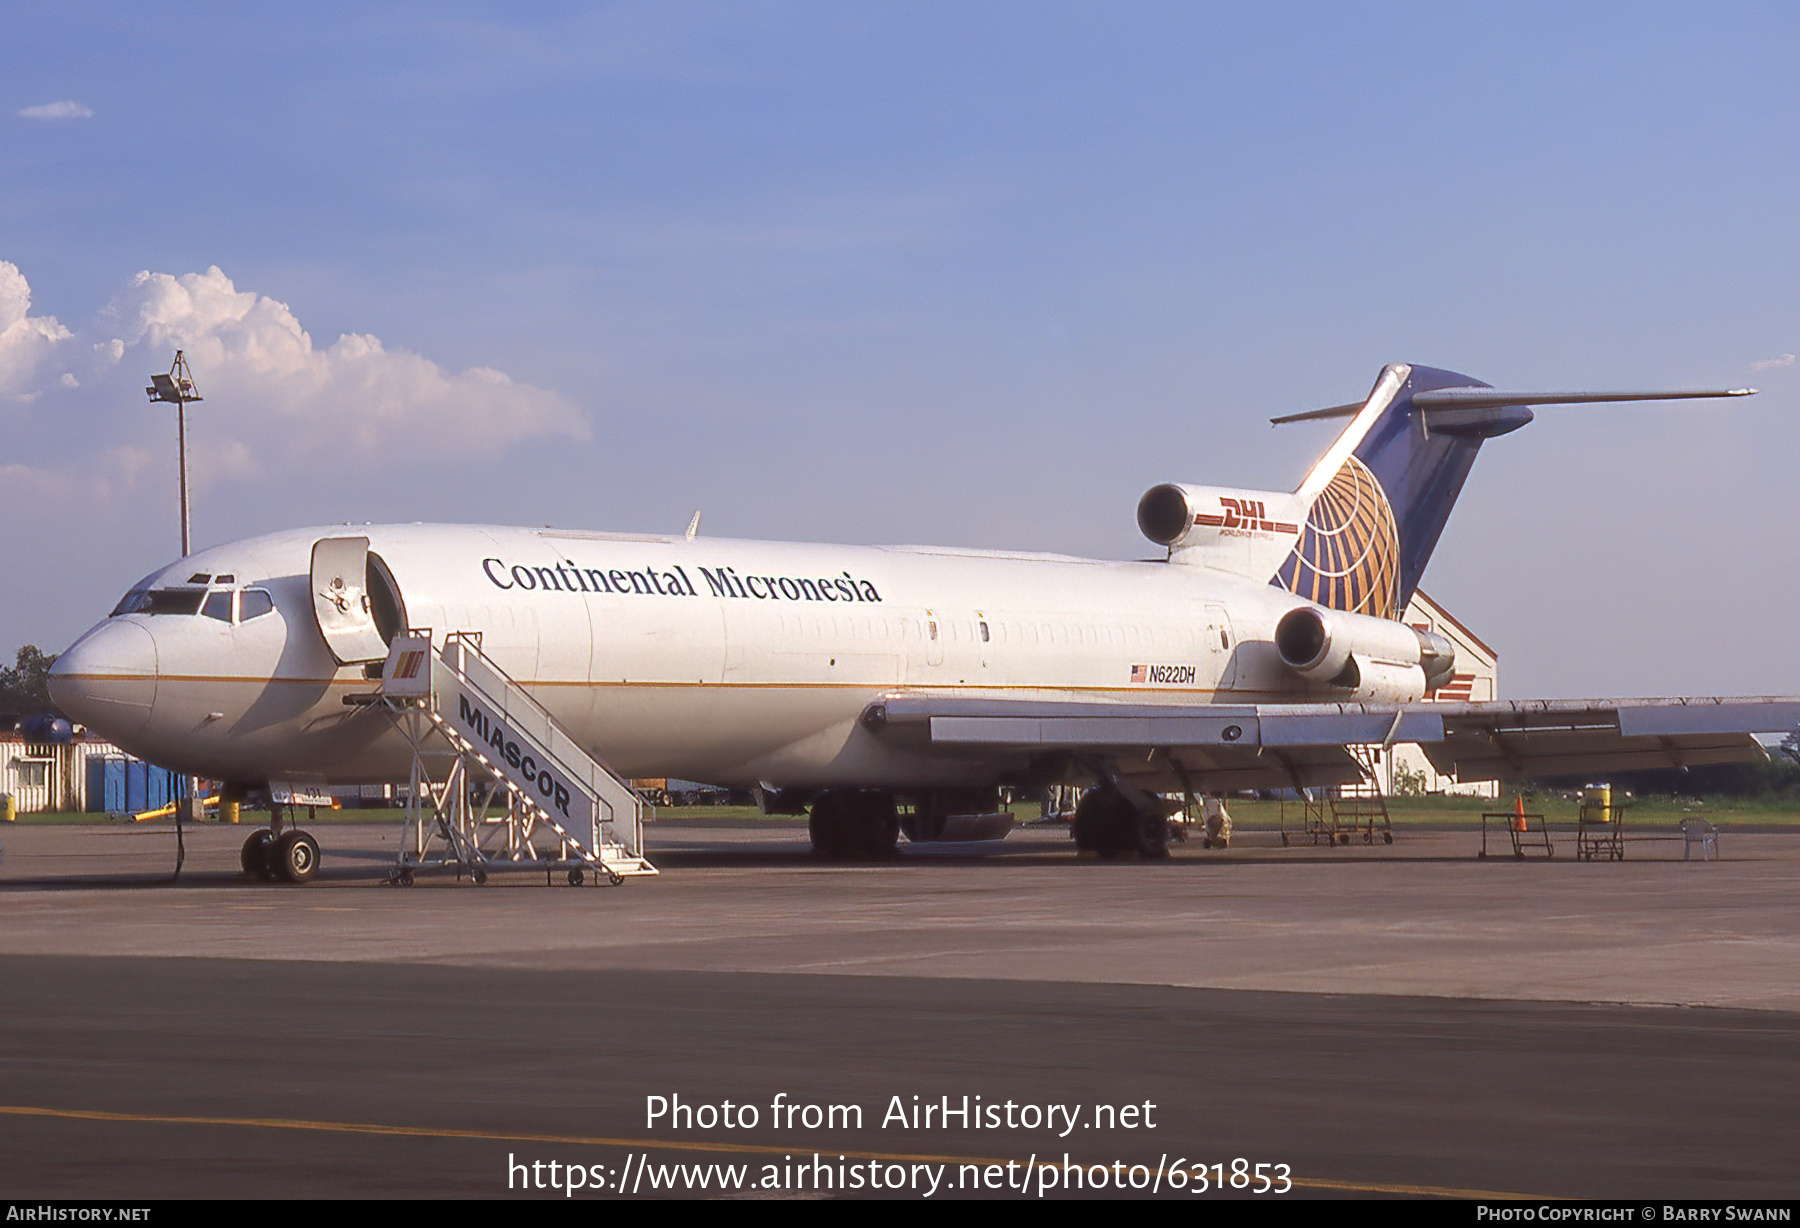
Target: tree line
25	685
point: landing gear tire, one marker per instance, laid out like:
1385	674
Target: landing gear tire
924	824
576	877
829	825
258	850
1108	823
880	823
849	824
296	857
1101	820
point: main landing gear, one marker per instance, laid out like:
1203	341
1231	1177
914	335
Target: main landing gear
854	823
1114	824
274	855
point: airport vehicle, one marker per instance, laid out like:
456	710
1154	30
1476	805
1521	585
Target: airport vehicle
863	681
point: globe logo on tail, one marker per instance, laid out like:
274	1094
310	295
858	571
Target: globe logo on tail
1348	556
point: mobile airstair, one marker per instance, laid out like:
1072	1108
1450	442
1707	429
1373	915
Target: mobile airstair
496	782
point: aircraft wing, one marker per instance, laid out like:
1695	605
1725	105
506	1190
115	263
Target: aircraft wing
1225	747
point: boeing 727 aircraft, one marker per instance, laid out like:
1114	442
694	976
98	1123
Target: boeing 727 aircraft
858	680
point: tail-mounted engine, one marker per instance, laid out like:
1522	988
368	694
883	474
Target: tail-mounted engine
1363	657
1172	515
1249	532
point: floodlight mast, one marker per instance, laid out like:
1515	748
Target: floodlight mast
177	387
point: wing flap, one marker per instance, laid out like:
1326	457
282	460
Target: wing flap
1094	730
1223	747
1570	757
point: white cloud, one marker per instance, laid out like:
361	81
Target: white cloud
289	432
127	463
275	406
25	340
1786	360
355	400
54	487
57	110
116	474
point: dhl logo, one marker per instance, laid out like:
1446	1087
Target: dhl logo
1245	514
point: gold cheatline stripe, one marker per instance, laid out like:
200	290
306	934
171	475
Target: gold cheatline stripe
359	684
354	1127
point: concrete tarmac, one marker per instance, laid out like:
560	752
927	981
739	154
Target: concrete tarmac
1384	1020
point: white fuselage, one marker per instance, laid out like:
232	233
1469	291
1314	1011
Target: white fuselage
731	662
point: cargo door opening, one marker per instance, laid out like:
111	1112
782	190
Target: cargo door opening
355	600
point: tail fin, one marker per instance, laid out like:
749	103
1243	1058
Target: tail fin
1383	491
1380	496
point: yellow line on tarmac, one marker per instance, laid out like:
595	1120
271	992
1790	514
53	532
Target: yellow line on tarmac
645	1144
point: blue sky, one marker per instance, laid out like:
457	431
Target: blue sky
969	274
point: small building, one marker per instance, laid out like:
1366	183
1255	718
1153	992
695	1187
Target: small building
49	776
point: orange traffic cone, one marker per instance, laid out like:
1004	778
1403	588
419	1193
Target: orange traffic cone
1519	812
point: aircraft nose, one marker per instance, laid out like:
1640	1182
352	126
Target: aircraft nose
107	679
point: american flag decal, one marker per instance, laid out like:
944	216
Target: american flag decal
1165	675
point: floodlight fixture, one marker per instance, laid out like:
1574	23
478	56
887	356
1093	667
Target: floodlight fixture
177	388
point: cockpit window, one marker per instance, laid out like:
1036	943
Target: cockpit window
142	599
132	601
172	601
160	601
129	603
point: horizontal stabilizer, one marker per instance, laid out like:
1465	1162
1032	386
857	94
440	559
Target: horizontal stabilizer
1495	398
1335	411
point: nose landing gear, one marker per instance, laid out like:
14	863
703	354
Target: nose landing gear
256	858
271	854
